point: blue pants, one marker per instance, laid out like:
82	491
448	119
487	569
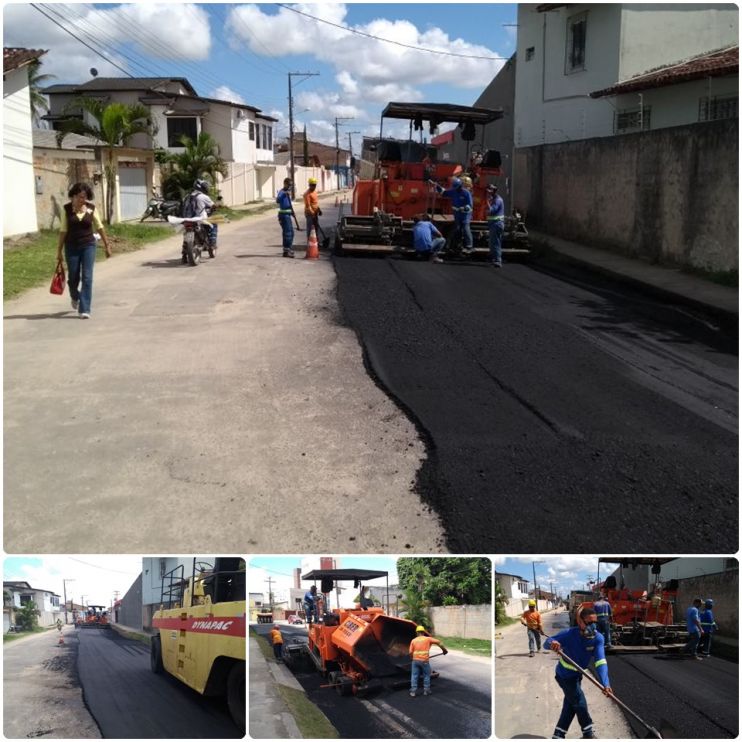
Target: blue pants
692	644
278	651
438	244
287	228
704	645
604	627
462	230
310	611
80	262
534	640
496	230
574	704
417	668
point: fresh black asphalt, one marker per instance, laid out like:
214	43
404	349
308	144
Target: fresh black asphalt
128	700
558	415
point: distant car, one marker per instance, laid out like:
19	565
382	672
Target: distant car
295	620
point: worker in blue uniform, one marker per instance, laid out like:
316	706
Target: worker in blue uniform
285	213
496	224
462	205
310	605
581	643
709	627
695	630
604	612
426	239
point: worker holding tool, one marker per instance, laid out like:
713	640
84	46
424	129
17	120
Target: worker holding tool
277	642
310	605
496	224
604	612
581	643
531	619
285	212
426	239
695	630
312	211
709	627
420	653
462	205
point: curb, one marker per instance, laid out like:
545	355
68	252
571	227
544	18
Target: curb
128	633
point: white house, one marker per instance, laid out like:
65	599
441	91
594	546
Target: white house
515	589
19	210
17	594
568	52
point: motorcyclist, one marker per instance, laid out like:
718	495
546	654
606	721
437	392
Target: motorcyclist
199	204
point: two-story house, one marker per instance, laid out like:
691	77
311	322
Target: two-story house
515	589
16	594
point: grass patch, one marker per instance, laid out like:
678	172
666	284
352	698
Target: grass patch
263	643
479	647
507	621
29	261
135	635
21	634
237	214
312	723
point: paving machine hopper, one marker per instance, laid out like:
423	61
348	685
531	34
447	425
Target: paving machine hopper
358	650
95	617
383	208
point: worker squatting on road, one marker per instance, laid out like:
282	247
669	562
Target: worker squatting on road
708	624
696	630
531	619
420	653
426	239
310	605
277	642
462	204
285	214
496	224
604	612
580	643
312	211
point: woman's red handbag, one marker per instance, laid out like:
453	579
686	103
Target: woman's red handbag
57	286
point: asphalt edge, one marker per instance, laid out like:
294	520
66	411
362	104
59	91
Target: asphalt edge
128	633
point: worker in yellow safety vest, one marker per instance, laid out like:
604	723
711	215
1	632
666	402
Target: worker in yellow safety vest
277	642
420	653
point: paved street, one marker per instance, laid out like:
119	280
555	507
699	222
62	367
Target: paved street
460	706
231	390
42	695
129	701
556	409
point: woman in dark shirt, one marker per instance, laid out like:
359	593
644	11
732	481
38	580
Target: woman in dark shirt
80	222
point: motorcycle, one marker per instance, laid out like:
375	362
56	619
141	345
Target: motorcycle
159	208
197	237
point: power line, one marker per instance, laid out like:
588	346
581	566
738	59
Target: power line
97	566
388	41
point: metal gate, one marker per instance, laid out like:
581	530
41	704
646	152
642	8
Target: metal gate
132	190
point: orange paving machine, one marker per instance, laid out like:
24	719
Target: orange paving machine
95	617
360	649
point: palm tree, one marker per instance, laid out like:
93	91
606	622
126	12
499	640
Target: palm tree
201	159
115	124
39	104
414	607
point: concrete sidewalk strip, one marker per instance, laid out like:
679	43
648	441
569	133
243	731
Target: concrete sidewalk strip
282	675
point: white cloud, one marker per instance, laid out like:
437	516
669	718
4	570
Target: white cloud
225	93
569	572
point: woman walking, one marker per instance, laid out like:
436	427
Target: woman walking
80	222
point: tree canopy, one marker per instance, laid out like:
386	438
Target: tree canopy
447	580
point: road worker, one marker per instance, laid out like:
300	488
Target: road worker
462	205
496	224
312	211
285	214
277	642
531	619
709	627
420	653
310	605
604	612
581	644
695	630
426	239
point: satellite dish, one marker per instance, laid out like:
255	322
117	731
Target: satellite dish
93	72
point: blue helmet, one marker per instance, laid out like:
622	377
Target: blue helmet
456	182
709	603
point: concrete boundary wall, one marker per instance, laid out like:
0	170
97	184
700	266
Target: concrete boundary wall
723	589
463	621
666	196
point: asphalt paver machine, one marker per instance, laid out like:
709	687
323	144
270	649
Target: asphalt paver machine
94	617
383	207
359	650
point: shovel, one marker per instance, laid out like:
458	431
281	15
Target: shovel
325	238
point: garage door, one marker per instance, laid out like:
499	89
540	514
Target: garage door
132	191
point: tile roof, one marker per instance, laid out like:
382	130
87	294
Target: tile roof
131	83
711	64
15	57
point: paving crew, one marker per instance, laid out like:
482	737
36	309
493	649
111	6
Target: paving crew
310	605
604	612
709	626
277	642
312	211
420	653
531	619
581	644
426	239
462	205
496	224
695	630
285	213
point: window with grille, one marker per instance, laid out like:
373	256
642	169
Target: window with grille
177	127
252	131
576	39
718	107
632	119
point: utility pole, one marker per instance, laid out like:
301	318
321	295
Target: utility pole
337	144
535	593
270	582
350	149
291	125
64	590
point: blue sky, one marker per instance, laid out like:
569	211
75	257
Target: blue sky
244	51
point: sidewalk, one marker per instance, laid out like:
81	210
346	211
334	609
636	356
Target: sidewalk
670	283
528	700
130	633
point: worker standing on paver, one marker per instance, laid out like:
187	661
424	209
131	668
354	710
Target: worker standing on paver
496	224
695	630
581	643
285	213
708	624
420	653
604	612
312	211
462	205
277	642
310	605
531	619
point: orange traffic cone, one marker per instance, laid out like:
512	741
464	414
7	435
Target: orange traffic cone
61	640
312	246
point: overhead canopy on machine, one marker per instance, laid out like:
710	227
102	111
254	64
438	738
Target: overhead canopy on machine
437	113
344	574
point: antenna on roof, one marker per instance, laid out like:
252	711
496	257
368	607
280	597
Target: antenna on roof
93	72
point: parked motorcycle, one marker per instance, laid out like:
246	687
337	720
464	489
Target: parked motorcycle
159	208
